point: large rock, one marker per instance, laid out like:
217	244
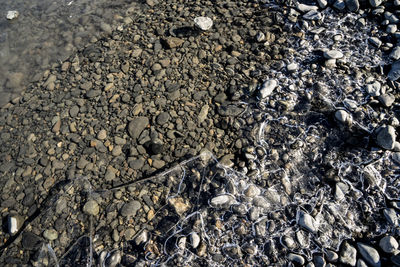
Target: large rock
136	126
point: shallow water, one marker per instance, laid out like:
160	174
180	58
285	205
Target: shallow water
46	32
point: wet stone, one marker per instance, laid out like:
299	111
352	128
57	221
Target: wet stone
306	221
296	258
370	255
389	244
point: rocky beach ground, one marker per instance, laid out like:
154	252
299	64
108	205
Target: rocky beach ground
267	139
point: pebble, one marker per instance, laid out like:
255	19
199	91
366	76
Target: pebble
203	23
222	200
114	259
333	54
194	239
361	263
12	14
373	89
14	222
343	117
173	42
348	255
91	208
130	209
102	134
142	238
306	221
297	259
375	41
313	15
370	255
387	99
136	126
395	54
375	3
391	216
353	5
180	206
50	234
267	88
389	244
386	137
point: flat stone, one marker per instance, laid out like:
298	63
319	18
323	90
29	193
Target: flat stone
386	137
173	42
306	221
136	126
93	93
230	110
222	200
375	41
267	88
389	244
313	15
91	208
391	216
130	209
136	164
333	54
305	8
370	255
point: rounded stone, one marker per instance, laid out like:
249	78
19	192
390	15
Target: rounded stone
91	208
50	234
389	244
102	135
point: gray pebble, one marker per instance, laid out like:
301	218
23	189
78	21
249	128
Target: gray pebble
389	244
333	54
386	137
136	126
298	259
129	209
391	216
163	118
387	99
91	208
306	221
370	255
395	54
222	200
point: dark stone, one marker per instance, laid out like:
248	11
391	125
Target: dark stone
30	241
